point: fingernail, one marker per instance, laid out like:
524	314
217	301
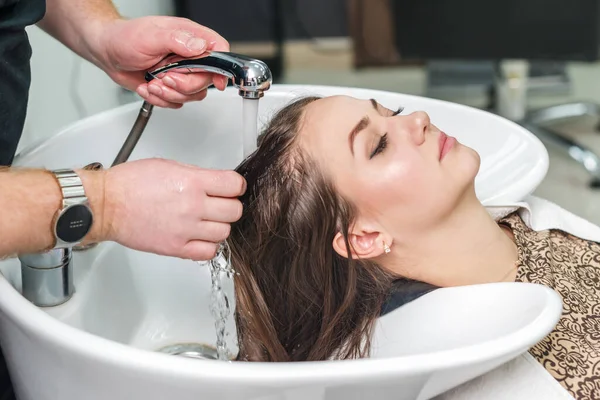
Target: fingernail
167	80
155	90
142	91
196	44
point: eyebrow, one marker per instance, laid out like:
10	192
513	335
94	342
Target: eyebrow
362	124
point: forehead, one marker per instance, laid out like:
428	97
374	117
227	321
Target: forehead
332	107
327	123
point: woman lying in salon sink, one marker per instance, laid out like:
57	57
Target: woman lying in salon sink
350	204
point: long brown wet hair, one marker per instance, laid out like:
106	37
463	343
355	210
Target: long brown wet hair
296	298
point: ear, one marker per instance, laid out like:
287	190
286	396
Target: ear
362	244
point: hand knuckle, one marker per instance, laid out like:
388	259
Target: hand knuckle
202	95
194	84
236	180
202	253
199	205
188	208
211	251
222	178
213	176
202	179
188	86
225	232
240	210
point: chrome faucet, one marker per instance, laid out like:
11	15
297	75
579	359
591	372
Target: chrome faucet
47	278
252	77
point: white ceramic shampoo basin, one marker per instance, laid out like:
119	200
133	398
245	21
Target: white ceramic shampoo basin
102	344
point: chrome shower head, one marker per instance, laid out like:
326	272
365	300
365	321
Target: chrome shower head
252	77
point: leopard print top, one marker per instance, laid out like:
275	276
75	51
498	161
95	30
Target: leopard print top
570	266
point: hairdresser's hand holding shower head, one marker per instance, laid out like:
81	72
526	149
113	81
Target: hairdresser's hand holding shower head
252	77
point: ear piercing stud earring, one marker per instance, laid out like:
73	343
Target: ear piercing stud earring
386	248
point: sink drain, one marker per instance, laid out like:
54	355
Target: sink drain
191	350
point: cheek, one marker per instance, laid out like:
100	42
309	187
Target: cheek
411	191
403	179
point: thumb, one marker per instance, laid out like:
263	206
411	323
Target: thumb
180	42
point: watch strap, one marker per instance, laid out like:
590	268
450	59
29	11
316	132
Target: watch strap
70	186
73	195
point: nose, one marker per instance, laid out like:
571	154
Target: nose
420	123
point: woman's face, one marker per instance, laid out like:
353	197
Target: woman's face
401	172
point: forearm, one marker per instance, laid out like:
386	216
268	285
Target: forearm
78	23
29	201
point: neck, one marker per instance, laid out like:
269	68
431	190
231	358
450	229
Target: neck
466	249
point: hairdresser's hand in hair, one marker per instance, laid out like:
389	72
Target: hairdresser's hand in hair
167	208
128	48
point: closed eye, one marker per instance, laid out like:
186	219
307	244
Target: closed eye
380	146
398	111
383	140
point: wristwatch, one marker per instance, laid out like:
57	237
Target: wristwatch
74	219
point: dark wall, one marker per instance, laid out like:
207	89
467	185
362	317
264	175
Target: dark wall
480	29
252	20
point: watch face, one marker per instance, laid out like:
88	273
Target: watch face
74	223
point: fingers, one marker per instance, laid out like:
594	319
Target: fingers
142	90
179	88
211	231
191	83
179	41
204	245
186	84
187	38
220	81
214	40
222	210
198	250
171	96
223	183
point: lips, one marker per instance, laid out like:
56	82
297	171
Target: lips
446	144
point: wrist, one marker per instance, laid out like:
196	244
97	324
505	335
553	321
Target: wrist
94	186
96	40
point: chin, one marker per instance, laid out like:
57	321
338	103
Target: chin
476	160
468	162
